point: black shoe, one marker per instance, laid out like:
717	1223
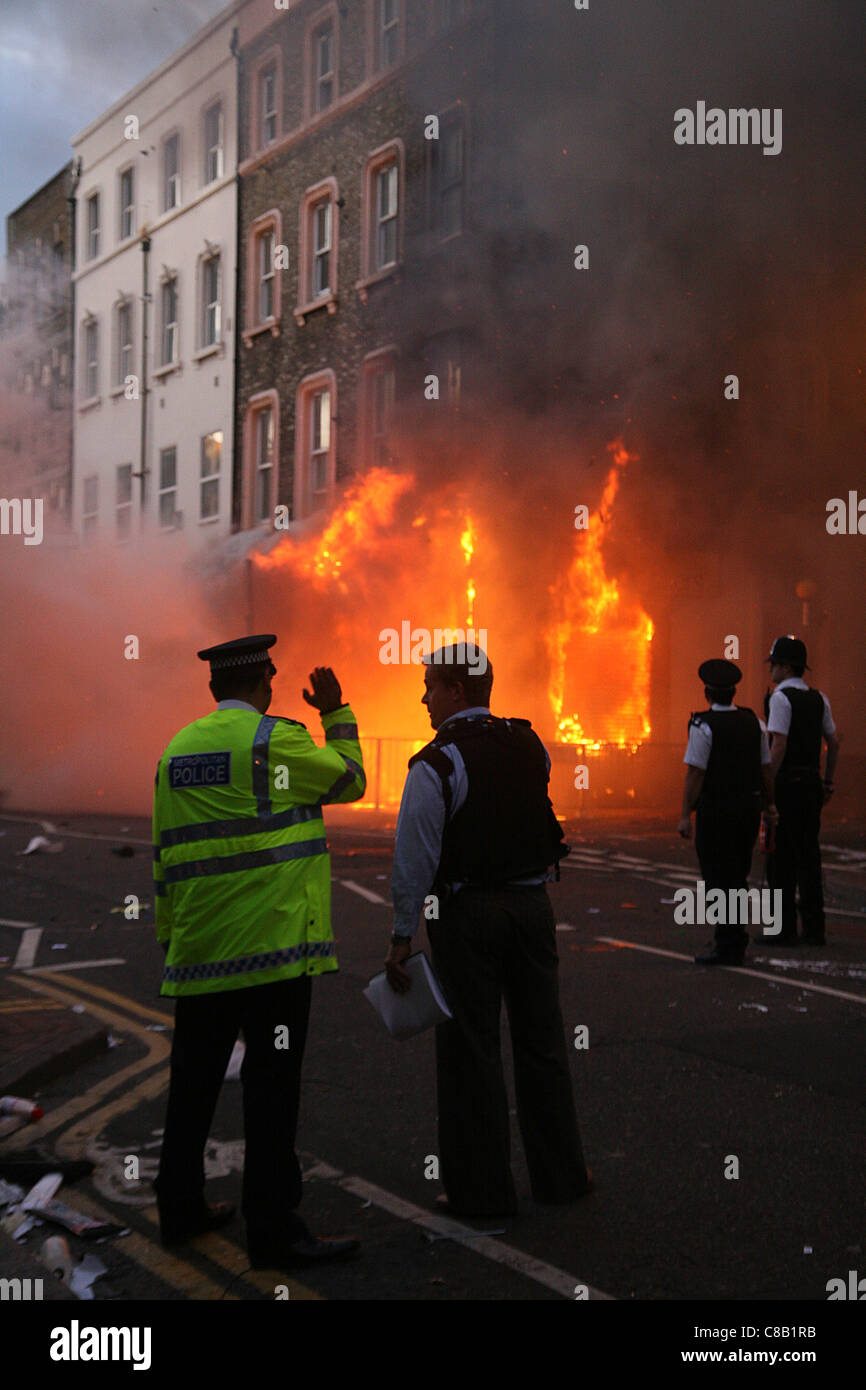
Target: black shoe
714	954
176	1230
315	1250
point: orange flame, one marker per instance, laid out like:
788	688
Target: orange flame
596	626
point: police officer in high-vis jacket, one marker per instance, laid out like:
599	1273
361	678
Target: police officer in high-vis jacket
727	780
242	885
800	721
477	832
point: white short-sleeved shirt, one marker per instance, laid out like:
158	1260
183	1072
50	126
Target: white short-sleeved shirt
701	741
779	721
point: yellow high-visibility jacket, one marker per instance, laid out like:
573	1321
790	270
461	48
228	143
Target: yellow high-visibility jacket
242	876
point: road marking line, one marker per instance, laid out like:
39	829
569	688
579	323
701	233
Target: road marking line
362	892
141	1251
81	834
496	1250
236	1261
28	1006
30	938
158	1049
755	974
548	1275
112	997
9	922
71	965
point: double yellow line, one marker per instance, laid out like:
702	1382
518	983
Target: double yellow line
83	1118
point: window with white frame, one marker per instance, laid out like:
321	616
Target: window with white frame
127	203
384	240
211	463
268	98
210	301
320	214
93	226
266	274
123	501
90	359
168	488
123	358
323	66
387	20
90	506
171	173
169	337
263	480
320	448
213	142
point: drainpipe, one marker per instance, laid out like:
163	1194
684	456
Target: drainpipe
237	461
145	304
72	200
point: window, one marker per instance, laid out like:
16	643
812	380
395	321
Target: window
123	506
385	213
387	37
315	453
263	264
123	360
213	142
90	507
210	301
171	173
269	104
378	406
267	275
321	282
127	203
323	66
449	178
211	460
169	321
168	488
320	442
93	226
264	460
90	383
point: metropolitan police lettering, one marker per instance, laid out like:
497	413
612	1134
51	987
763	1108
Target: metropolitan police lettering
200	770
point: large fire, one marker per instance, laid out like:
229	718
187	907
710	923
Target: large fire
602	640
389	559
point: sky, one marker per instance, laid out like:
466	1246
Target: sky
62	62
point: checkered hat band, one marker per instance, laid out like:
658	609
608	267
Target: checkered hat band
221	663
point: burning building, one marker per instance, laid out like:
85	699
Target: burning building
510	357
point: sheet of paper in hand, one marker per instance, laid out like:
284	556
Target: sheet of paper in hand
419	1008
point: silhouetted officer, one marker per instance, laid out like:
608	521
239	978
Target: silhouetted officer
728	760
799	722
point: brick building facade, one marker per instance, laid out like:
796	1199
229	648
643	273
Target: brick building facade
37	346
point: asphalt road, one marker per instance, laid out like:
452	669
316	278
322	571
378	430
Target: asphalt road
685	1070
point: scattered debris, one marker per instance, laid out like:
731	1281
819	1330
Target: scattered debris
807	1249
57	1258
593	910
85	1274
762	1007
42	1191
156	1027
113	1041
78	1009
39	842
15	1105
75	1221
9	1192
60	946
668	900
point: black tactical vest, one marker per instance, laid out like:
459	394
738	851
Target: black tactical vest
506	828
734	771
803	749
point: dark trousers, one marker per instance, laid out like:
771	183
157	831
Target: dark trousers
725	836
205	1030
488	945
796	858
